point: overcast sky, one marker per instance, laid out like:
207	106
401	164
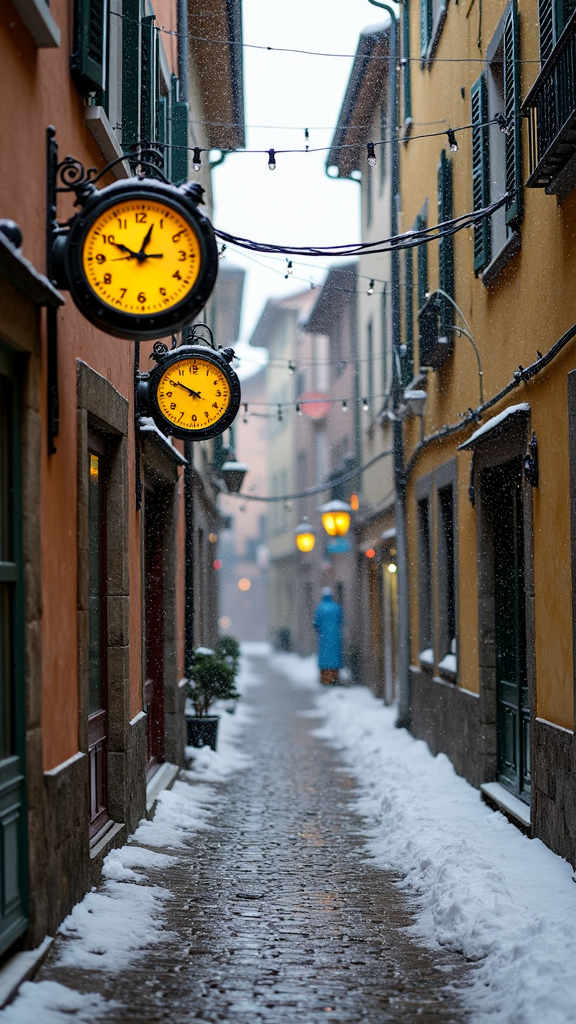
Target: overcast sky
288	92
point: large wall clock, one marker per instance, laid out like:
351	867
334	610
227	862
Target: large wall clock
140	259
192	393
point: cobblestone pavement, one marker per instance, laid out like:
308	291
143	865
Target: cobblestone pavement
279	917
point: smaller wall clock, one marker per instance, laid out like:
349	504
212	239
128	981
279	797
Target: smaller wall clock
193	393
140	259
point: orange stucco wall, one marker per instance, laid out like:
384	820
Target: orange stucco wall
39	91
529	306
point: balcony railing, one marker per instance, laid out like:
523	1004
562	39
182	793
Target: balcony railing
551	110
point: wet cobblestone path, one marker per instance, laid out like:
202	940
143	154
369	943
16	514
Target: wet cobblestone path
278	915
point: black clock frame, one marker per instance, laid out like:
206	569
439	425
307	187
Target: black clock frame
148	389
144	326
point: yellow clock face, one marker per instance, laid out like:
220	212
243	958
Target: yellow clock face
193	394
141	256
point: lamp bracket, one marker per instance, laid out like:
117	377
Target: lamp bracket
531	462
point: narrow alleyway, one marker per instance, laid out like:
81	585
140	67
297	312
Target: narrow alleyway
278	916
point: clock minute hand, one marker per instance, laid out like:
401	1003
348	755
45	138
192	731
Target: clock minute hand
178	384
141	256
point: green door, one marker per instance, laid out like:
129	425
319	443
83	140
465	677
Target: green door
513	713
13	856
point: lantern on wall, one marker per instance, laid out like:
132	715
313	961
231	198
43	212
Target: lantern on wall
305	537
335	518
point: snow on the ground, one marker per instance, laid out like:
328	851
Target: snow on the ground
48	1002
481	887
110	927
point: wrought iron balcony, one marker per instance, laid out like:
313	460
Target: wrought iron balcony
551	110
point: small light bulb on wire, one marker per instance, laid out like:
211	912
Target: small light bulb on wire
291	367
222	252
289	269
271	160
452	140
279	414
298	408
370	288
196	158
365	404
245	412
306	138
371	154
502	123
344	406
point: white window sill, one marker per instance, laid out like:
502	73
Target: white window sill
41	25
100	128
448	667
426	659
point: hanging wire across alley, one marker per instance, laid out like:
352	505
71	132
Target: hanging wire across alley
326	486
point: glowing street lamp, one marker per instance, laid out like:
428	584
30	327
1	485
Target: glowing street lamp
305	537
335	518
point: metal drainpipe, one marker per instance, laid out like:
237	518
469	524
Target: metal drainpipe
188	558
403	720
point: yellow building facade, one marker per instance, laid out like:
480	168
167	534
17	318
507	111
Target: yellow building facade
486	105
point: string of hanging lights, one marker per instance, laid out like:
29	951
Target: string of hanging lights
316	53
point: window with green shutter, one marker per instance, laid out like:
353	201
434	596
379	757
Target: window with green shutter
406	68
149	86
89	59
553	15
512	100
131	72
179	133
409	298
426	16
422	250
480	170
445	245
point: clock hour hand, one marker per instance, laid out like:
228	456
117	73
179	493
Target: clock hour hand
124	248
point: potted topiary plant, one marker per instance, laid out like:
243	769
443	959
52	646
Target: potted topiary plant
212	679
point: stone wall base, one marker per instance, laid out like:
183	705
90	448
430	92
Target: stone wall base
449	720
554	788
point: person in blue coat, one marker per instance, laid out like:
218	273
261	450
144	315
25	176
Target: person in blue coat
328	626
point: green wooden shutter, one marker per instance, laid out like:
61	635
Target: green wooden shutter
422	250
409	298
89	60
162	133
425	27
512	100
131	71
406	75
149	86
480	171
179	140
546	19
446	245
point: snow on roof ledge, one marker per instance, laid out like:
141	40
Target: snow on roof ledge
495	424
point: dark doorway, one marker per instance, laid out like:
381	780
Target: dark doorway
97	632
13	857
503	489
155	516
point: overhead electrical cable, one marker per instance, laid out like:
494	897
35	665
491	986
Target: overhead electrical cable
408	240
327	486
